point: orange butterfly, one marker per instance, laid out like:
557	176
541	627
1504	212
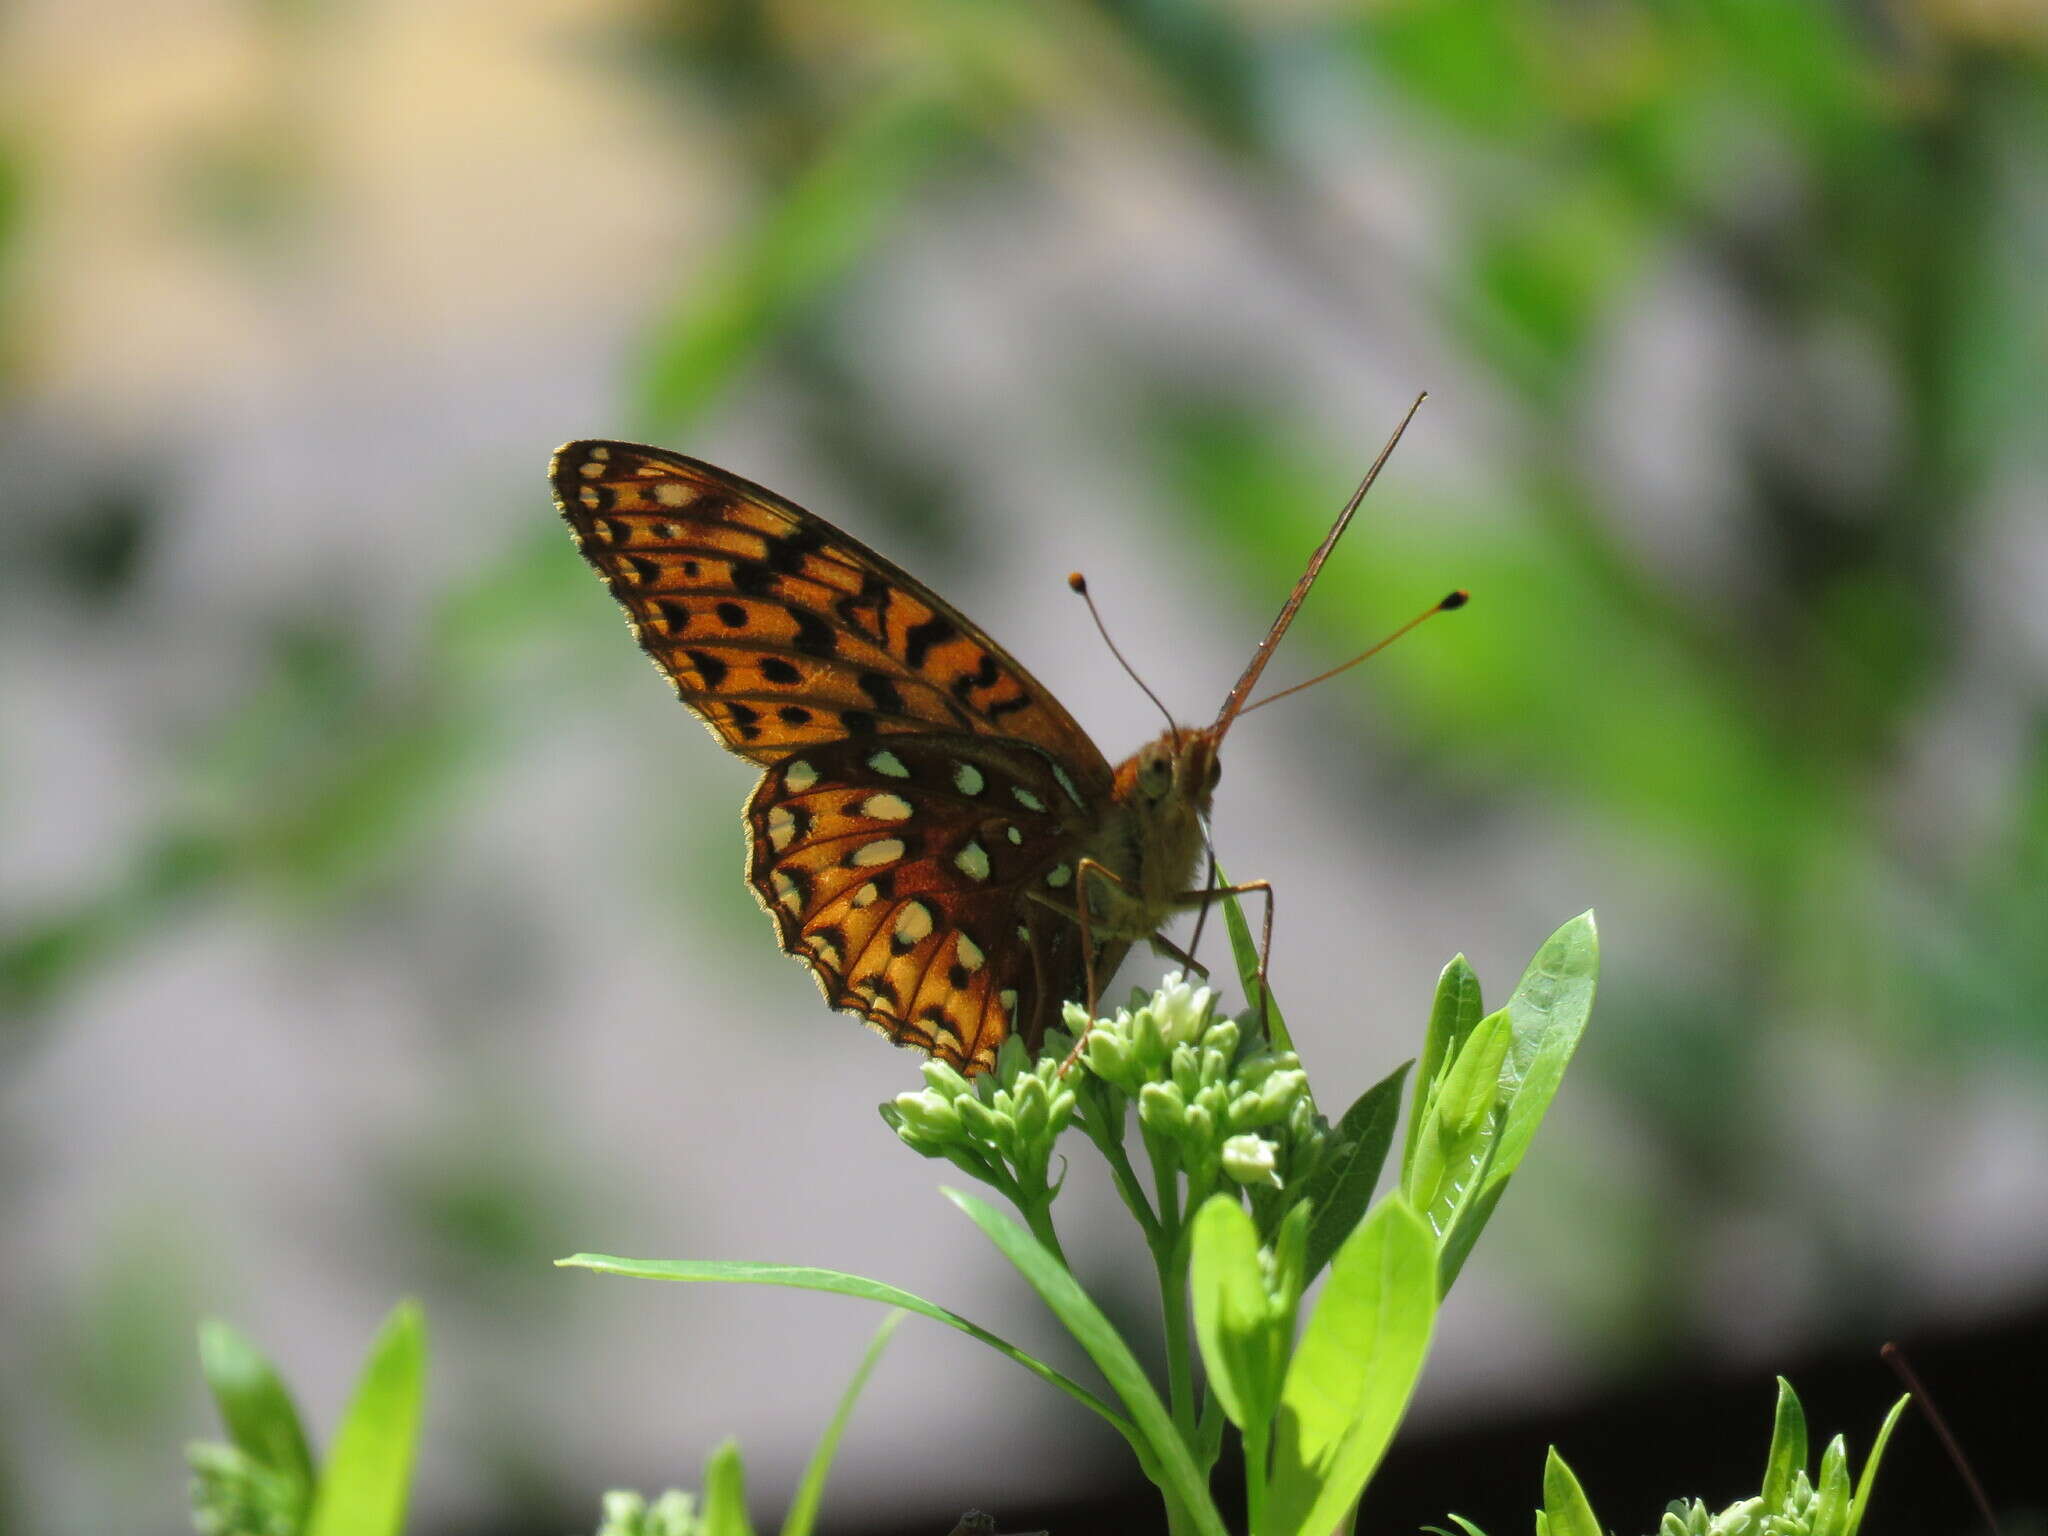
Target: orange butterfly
933	834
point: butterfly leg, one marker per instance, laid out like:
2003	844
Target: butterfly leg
1250	887
1162	945
1083	868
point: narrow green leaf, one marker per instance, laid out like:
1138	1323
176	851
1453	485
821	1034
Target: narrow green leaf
1868	1481
1788	1448
1546	1016
1342	1187
1233	1316
1353	1371
803	1509
1565	1510
254	1404
1548	1010
1452	1014
363	1489
725	1493
1471	1221
1165	1453
1460	1126
804	1278
1472	1088
1833	1499
1245	951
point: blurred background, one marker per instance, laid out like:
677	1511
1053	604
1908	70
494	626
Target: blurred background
372	920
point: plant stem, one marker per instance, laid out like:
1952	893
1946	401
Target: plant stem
1255	1442
1125	1176
1038	1217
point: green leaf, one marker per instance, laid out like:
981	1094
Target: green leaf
1565	1510
1788	1449
1342	1187
1546	1015
1471	1089
803	1509
1452	1015
1353	1371
1549	1010
363	1489
1457	1243
1832	1497
1165	1454
1245	951
804	1278
1460	1127
1234	1320
255	1406
725	1493
1865	1484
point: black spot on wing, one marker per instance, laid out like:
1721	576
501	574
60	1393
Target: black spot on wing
776	670
814	637
920	638
709	667
786	552
882	691
984	676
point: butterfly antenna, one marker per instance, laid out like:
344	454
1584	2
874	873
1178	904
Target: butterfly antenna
1448	604
1079	584
1895	1357
1234	704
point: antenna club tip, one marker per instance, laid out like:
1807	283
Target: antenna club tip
1077	582
1457	599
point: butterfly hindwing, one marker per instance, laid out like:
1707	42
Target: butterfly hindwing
902	872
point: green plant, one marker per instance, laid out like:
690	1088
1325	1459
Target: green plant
1790	1502
1251	1194
263	1480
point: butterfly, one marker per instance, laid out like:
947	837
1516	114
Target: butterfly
932	833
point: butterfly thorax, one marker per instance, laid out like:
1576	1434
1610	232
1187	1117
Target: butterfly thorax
1151	836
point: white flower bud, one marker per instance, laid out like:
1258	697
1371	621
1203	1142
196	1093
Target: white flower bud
1251	1160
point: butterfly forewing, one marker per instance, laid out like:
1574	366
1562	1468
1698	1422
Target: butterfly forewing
920	784
781	631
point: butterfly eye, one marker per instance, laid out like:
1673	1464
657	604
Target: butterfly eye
1215	771
1155	774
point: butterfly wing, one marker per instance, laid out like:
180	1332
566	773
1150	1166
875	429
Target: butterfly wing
902	872
779	630
920	782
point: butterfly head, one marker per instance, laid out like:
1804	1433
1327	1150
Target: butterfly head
1180	765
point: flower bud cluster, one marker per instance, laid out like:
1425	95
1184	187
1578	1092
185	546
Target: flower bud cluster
629	1514
1000	1126
1796	1516
1207	1086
